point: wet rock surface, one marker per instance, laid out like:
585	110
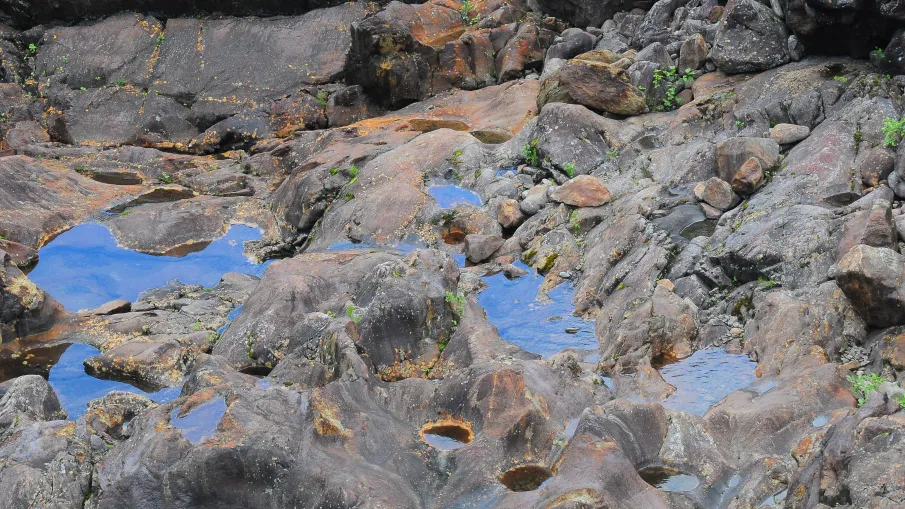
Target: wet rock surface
451	254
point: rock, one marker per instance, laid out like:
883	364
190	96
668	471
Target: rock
731	154
749	177
656	53
749	38
30	398
873	279
582	191
785	134
509	214
875	166
561	131
717	193
25	133
872	227
24	308
597	85
480	248
581	13
21	256
110	308
574	43
693	53
535	200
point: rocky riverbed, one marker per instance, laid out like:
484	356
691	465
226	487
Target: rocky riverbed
452	254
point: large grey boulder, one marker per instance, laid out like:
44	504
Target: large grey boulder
750	38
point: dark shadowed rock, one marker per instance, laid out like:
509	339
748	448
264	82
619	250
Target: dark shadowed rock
750	38
872	278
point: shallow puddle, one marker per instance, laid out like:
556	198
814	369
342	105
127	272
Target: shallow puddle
820	421
668	479
526	478
84	267
201	422
450	196
447	434
775	500
705	378
535	326
75	388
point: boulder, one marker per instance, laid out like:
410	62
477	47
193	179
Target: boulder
29	398
716	193
749	38
785	134
509	214
873	278
693	53
582	191
479	248
599	86
749	177
875	166
731	154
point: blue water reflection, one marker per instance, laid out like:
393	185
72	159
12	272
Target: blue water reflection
75	388
84	267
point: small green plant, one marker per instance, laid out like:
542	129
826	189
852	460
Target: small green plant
353	172
465	12
900	399
841	79
613	153
83	89
322	98
165	178
32	48
863	385
349	196
575	220
893	130
353	313
125	212
667	79
878	53
456	158
120	82
739	124
212	338
569	169
334	171
765	283
531	154
621	286
331	314
457	301
160	39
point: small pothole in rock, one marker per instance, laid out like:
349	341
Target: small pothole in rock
447	434
525	477
669	479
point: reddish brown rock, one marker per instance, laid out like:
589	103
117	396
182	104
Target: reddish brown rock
598	86
509	214
749	177
582	191
716	193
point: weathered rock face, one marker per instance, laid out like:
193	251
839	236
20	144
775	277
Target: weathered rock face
544	269
29	13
